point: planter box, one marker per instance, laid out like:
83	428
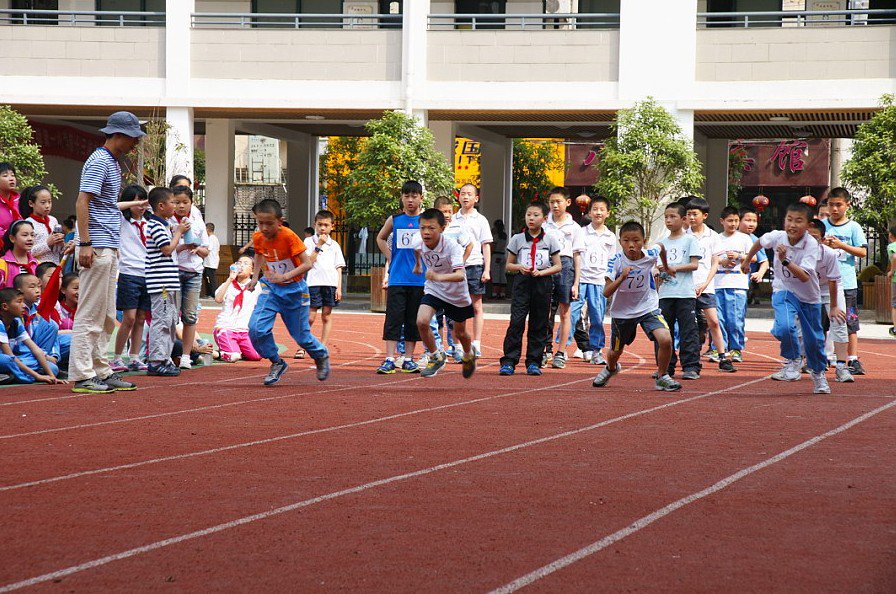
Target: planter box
377	292
882	299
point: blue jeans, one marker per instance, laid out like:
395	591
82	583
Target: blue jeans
787	307
593	295
292	302
45	335
732	313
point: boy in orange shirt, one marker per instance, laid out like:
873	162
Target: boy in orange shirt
281	255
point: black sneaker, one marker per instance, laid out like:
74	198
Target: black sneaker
323	368
855	367
559	361
91	386
726	365
117	383
163	369
276	371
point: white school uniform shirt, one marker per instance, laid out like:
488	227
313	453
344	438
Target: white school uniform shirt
132	253
599	246
708	240
445	258
729	276
458	233
237	320
828	270
637	295
186	259
40	250
569	232
480	232
327	266
805	255
214	253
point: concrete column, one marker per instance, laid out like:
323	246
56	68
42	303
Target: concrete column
413	51
219	157
301	180
179	142
444	134
178	54
496	170
715	168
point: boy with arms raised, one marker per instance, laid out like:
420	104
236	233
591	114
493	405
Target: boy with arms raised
677	296
599	245
535	255
404	289
566	284
730	283
284	259
445	290
704	289
848	237
480	260
636	303
795	292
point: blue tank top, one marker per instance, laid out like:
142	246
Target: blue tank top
404	229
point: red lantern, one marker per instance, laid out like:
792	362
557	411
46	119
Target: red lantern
760	202
810	200
583	201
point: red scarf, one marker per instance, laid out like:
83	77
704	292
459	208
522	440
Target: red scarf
30	267
44	220
69	310
10	203
179	218
139	225
534	249
238	300
28	318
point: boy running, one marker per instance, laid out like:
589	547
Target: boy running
731	285
749	220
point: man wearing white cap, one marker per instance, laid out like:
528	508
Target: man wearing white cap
99	238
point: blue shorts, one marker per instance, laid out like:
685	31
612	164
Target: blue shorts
322	297
474	279
707	301
452	312
562	290
131	293
624	329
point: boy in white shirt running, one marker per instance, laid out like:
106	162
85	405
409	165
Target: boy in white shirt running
445	290
730	283
637	303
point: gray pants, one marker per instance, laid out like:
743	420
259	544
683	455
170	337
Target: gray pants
163	328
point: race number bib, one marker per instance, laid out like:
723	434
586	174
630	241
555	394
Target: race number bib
636	282
281	266
431	259
541	259
404	238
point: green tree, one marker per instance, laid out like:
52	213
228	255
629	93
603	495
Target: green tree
737	158
531	162
398	150
646	161
16	147
871	171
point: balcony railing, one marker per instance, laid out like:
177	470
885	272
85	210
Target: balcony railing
797	18
81	17
224	20
602	20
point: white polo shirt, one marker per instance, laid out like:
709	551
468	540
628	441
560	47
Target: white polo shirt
729	276
445	258
600	246
569	232
805	255
327	266
708	240
637	294
480	232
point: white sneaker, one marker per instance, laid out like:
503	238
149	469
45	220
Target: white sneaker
423	361
843	375
185	362
598	358
820	382
399	361
587	355
578	354
789	373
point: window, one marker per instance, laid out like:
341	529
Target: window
32	18
129	6
599	7
297	7
743	6
241	175
484	7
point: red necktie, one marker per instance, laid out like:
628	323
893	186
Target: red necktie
44	220
10	203
28	317
534	249
139	225
238	300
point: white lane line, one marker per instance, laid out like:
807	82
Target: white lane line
878	354
349	491
649	519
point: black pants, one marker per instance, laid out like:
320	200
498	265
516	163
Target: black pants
402	303
531	297
682	311
209	281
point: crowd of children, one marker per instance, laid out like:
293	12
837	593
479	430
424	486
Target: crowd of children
694	284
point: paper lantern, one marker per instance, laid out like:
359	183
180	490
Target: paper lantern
810	200
760	202
583	201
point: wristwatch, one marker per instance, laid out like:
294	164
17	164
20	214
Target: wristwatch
318	250
85	243
785	262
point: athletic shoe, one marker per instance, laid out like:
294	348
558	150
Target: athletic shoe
690	375
604	376
506	369
323	368
388	366
790	372
300	354
410	367
163	369
136	365
185	362
469	366
559	360
533	369
667	384
726	365
118	365
5	378
117	383
399	361
892	331
598	358
713	355
478	353
91	386
578	354
855	367
820	382
275	372
433	364
843	375
587	356
423	361
736	356
547	359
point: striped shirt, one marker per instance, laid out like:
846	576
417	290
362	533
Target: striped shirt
101	177
161	270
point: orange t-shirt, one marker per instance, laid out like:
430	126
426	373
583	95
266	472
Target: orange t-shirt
282	252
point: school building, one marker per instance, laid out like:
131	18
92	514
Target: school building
800	75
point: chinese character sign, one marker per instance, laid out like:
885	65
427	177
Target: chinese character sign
787	163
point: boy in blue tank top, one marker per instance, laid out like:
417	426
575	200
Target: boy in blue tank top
404	289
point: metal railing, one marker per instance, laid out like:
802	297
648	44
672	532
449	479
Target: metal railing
81	17
534	21
798	18
295	21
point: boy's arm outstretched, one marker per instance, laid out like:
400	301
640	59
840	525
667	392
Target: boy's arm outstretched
745	265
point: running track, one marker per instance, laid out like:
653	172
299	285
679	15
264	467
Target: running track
399	483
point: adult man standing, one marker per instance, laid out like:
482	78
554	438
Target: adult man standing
99	237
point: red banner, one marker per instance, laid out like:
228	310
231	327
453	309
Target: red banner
65	141
786	163
580	164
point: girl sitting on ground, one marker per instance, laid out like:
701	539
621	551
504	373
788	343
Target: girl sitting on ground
232	325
